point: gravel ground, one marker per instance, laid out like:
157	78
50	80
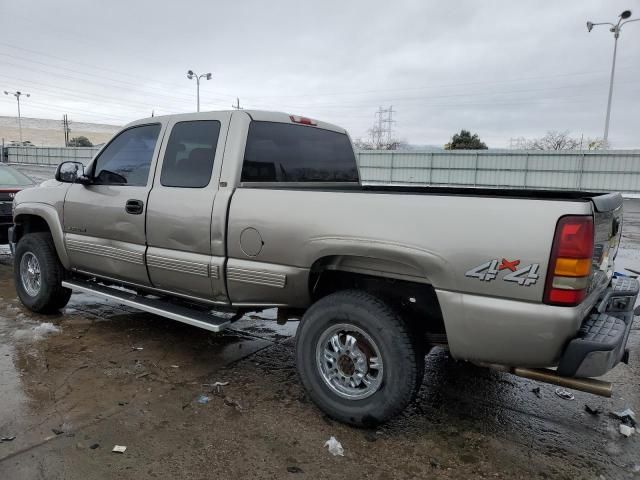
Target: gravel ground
98	375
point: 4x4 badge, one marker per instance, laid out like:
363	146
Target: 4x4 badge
525	276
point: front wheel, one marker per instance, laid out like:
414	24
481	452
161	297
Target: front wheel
38	274
357	359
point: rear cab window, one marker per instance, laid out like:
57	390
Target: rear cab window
281	152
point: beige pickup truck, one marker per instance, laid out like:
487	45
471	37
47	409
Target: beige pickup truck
203	217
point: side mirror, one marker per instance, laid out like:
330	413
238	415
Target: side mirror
70	172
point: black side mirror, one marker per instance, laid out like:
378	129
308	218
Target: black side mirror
71	172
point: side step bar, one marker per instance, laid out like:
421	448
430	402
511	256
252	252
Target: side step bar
152	305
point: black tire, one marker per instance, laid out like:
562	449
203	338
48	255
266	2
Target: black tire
401	352
51	296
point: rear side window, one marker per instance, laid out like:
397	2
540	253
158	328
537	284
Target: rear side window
127	159
279	152
188	160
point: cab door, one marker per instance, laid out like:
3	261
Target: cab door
180	257
104	222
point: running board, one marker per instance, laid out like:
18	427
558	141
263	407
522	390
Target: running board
152	305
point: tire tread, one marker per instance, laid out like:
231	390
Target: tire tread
55	295
412	351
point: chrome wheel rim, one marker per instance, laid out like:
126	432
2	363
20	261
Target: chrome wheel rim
349	362
30	274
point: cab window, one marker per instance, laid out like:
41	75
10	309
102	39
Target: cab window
190	152
127	159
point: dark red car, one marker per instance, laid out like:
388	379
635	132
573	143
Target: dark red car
11	182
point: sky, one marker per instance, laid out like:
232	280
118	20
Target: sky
502	69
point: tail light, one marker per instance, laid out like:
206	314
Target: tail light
570	263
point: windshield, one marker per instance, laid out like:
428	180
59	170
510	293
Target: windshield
12	178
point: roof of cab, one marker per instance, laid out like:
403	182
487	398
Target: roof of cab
257	115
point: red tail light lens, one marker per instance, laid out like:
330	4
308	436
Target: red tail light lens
573	241
575	237
558	296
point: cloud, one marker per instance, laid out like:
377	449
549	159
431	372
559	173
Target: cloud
500	68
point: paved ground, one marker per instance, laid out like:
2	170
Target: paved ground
102	375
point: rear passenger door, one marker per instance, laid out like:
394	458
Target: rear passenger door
179	254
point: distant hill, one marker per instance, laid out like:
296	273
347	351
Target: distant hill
48	132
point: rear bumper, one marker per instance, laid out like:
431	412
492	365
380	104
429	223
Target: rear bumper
602	339
489	330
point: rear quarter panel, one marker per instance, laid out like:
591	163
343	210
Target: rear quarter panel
438	238
435	239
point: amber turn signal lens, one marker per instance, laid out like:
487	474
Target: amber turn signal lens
573	267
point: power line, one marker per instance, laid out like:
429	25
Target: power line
60	91
447	85
96	67
102	79
452	95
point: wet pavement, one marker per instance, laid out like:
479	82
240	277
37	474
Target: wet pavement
74	385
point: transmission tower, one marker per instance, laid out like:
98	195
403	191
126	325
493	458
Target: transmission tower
382	131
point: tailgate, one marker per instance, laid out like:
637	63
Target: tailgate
607	222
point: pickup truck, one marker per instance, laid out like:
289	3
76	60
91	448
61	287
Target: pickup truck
203	217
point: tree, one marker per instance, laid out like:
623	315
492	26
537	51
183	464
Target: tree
80	141
465	141
395	144
554	140
597	144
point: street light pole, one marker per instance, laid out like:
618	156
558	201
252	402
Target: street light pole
18	95
615	29
191	75
613	73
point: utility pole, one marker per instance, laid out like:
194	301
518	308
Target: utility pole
18	94
66	129
191	75
237	105
615	29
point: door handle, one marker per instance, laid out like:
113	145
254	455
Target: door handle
134	207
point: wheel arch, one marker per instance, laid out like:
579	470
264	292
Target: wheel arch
399	283
29	218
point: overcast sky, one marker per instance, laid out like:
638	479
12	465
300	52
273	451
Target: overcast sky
502	69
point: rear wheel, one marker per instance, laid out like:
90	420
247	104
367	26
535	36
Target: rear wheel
38	274
357	359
